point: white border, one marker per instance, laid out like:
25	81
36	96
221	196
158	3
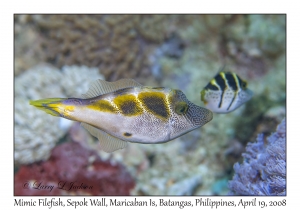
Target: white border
154	6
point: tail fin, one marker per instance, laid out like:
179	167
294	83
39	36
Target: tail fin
49	105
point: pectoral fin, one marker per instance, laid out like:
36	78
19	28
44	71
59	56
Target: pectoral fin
108	143
100	87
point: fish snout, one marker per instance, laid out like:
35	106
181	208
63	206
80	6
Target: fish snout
199	116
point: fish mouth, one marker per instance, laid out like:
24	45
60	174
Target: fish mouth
246	95
50	105
196	117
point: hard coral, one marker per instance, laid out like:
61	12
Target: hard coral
36	133
117	44
263	171
73	169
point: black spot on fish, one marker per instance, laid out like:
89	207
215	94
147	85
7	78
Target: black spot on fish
231	81
128	107
155	103
127	134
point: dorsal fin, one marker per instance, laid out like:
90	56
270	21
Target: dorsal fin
108	143
100	87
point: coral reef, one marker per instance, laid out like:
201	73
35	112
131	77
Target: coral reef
263	171
177	51
156	167
116	44
36	132
27	45
73	170
252	46
207	153
227	135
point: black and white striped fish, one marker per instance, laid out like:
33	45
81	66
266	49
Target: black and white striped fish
225	93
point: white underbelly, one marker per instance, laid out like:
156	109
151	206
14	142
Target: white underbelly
140	129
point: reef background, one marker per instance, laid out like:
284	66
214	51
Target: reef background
59	55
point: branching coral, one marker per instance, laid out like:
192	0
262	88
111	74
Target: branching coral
263	171
73	169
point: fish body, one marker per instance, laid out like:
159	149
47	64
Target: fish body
225	93
125	111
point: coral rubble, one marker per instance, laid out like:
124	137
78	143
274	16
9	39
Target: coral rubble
263	171
73	170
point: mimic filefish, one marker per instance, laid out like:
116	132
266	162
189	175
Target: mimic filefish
225	93
125	111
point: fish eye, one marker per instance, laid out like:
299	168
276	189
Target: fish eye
244	85
181	107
